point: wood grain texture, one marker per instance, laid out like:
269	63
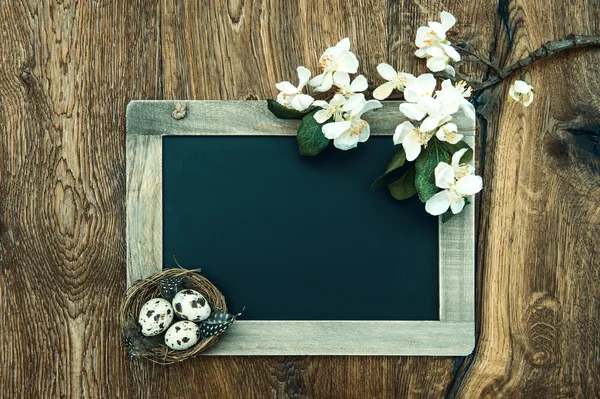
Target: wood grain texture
69	68
453	334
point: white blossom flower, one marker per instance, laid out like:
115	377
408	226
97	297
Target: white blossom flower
455	189
347	89
332	109
352	129
461	169
457	93
395	80
420	87
335	59
521	91
291	96
433	45
412	139
422	105
449	132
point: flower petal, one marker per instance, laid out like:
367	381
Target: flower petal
402	130
457	156
346	141
326	83
338	99
384	91
447	19
437	64
386	71
317	80
422	86
354	103
341	79
457	205
429	124
469	185
421	53
439	203
444	175
528	99
412	146
521	86
412	111
422	36
359	84
322	115
364	134
468	108
343	45
303	76
335	129
301	102
438	29
286	87
368	106
347	62
451	52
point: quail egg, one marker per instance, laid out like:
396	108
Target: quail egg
191	305
155	317
182	335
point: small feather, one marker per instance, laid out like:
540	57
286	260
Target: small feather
216	324
169	286
135	342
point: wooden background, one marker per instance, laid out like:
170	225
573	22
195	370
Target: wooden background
67	71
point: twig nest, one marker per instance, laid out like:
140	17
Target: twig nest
199	337
191	305
155	316
182	335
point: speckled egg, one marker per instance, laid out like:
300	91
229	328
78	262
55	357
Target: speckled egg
182	335
155	317
191	305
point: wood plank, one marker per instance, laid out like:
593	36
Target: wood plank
400	338
68	70
457	260
144	206
539	237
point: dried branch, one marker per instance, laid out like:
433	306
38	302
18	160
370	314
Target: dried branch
479	58
546	50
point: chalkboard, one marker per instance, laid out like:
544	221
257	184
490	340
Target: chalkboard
322	264
298	238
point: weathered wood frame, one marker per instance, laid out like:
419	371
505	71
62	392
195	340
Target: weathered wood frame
452	335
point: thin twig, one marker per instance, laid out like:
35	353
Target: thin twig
546	50
479	58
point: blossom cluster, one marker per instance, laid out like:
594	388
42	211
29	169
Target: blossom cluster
342	115
430	114
430	107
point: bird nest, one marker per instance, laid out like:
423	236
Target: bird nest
154	348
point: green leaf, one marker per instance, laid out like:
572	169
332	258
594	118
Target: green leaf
448	214
396	162
283	112
452	148
404	187
311	140
425	166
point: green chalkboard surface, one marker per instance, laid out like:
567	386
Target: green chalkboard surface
297	238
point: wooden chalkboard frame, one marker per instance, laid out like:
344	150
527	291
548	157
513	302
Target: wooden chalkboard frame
452	335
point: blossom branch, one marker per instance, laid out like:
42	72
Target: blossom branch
479	58
546	50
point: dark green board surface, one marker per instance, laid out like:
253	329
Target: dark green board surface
297	238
